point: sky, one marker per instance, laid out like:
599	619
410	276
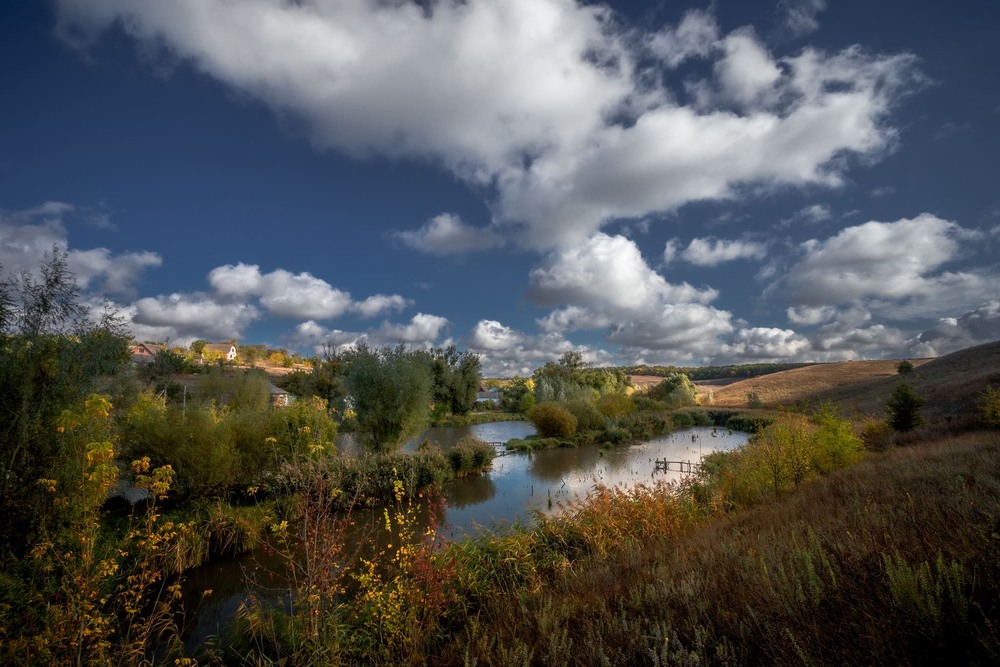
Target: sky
681	183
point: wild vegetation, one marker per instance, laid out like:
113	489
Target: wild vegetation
845	531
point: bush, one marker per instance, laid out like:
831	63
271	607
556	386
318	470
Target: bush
470	455
588	417
615	406
989	404
552	420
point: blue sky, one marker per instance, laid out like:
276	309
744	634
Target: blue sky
685	183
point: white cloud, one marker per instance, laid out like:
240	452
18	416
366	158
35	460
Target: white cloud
981	325
746	73
505	352
766	344
522	98
446	234
694	37
192	315
297	296
893	266
422	331
604	283
380	304
800	15
28	236
98	269
712	252
810	315
811	214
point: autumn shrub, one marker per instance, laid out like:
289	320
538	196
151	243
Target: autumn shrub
552	420
989	406
614	406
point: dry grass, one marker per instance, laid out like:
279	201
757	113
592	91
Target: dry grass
950	384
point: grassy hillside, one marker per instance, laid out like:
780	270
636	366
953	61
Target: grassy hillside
950	384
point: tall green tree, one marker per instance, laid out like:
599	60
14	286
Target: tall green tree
390	390
456	379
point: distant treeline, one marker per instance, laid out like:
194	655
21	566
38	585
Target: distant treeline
715	372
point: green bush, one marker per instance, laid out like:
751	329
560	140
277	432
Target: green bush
614	406
989	404
470	455
552	420
588	417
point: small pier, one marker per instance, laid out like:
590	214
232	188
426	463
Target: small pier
499	447
665	465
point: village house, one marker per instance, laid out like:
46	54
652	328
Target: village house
144	353
226	351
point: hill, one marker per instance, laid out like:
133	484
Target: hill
950	383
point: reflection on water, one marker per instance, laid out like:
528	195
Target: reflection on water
517	487
523	484
446	437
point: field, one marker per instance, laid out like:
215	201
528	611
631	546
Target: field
950	384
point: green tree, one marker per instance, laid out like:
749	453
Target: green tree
989	403
198	346
456	379
905	367
904	408
391	390
676	390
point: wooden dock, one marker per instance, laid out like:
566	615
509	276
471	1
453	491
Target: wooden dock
664	465
500	448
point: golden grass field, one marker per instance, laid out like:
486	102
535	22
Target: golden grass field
950	383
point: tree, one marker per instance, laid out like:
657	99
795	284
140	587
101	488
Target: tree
51	357
456	379
905	367
904	409
676	390
391	393
198	346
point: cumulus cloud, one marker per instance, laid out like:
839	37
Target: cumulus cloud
712	251
421	331
297	296
604	283
759	344
524	98
446	234
192	315
981	325
506	352
896	266
28	236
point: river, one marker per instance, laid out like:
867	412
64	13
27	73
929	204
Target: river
517	487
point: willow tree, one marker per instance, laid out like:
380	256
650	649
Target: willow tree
390	390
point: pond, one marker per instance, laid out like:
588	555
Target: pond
518	486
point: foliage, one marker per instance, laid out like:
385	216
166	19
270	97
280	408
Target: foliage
51	357
588	417
552	420
904	408
989	405
614	406
93	597
519	395
715	372
905	367
676	391
391	392
570	379
470	456
456	379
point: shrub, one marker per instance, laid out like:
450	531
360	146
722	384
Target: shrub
615	406
552	420
588	417
470	455
989	404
